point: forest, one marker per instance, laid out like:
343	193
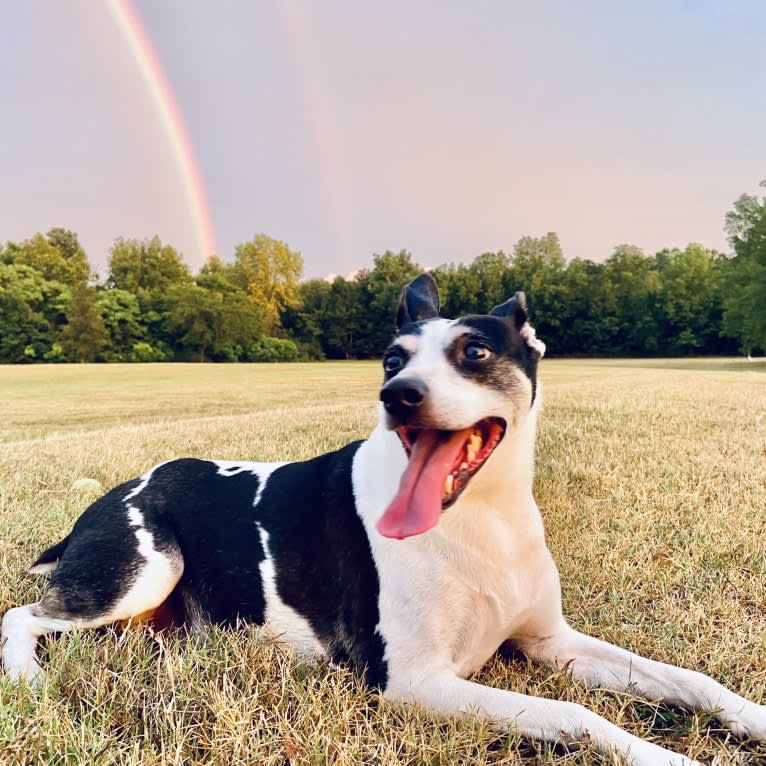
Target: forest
257	308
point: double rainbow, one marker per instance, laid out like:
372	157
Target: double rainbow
170	116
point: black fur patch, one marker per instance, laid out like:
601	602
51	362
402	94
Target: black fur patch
324	566
412	328
99	563
394	350
54	553
209	517
419	301
507	345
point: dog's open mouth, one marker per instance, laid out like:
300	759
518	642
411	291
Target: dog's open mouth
441	463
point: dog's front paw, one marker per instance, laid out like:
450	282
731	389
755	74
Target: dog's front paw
30	673
749	722
654	755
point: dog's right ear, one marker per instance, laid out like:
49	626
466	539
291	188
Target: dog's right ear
420	300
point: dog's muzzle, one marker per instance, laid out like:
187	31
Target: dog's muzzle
401	397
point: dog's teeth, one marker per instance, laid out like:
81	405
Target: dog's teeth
449	484
473	446
463	466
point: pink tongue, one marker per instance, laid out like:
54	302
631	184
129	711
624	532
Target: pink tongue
418	503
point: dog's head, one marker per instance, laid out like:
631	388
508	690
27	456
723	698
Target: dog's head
451	390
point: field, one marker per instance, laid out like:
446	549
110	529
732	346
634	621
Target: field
651	478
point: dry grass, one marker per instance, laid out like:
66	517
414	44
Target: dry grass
652	480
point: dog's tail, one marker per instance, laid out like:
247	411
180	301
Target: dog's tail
48	560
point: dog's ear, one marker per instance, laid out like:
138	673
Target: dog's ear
420	300
515	310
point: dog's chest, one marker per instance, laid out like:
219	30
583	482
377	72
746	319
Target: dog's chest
453	594
493	596
442	598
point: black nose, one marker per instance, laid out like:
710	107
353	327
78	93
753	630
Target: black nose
401	397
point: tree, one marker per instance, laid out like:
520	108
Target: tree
632	285
149	270
24	330
459	289
84	334
121	315
59	258
537	268
379	291
214	325
744	303
340	320
68	245
270	273
304	322
219	276
689	300
273	350
534	260
588	322
145	267
31	310
476	288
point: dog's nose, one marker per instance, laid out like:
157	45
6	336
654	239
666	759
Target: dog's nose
400	397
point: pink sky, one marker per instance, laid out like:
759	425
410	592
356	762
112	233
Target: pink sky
345	129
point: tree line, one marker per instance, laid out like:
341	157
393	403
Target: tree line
150	307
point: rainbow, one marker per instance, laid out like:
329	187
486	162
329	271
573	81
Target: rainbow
129	24
319	122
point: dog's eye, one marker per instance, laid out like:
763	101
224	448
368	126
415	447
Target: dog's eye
393	363
476	352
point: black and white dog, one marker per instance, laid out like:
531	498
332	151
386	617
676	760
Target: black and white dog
412	555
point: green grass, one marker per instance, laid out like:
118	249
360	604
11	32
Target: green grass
651	477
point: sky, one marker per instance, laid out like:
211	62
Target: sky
350	128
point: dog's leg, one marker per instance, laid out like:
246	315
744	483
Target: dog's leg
598	663
534	717
89	588
21	627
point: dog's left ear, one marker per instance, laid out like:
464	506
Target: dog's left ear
515	310
420	300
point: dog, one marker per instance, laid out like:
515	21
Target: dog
411	556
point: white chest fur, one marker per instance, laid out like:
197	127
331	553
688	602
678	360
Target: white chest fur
454	594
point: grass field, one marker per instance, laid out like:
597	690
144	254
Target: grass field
651	477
